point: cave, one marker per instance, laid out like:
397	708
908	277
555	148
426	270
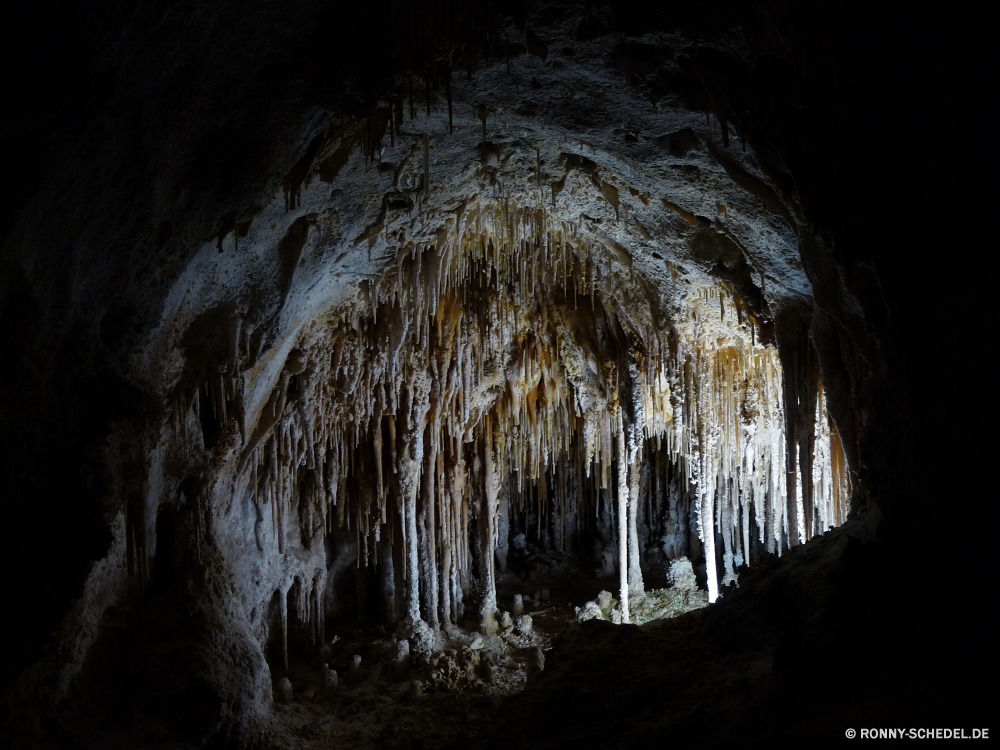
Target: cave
514	373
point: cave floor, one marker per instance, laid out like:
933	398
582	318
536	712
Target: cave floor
451	700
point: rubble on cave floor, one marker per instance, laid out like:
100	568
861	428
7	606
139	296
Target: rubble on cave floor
363	690
380	702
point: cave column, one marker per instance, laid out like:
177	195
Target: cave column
636	587
622	514
460	534
446	537
793	346
412	560
706	492
427	542
397	523
283	621
411	460
387	577
487	527
707	475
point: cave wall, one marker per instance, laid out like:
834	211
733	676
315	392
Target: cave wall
152	134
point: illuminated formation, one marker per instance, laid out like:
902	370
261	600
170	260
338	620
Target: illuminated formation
514	366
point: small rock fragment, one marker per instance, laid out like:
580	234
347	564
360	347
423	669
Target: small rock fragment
477	643
524	625
283	690
330	678
518	607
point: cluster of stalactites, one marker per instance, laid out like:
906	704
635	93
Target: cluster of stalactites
830	486
509	350
731	431
731	434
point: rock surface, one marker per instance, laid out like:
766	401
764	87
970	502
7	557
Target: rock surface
198	195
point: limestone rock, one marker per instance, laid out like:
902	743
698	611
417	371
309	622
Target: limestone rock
421	638
589	611
283	690
506	621
330	678
523	625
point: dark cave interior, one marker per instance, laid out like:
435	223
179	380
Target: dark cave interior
505	373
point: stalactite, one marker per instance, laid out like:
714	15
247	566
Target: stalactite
477	341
